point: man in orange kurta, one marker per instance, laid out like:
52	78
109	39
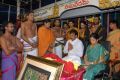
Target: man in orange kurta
45	38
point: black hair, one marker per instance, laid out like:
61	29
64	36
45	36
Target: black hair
65	23
25	15
71	20
74	32
56	20
83	22
28	12
94	35
47	21
114	22
6	23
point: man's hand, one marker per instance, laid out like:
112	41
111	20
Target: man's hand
70	46
12	48
34	45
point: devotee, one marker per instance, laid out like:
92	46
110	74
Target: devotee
72	26
98	29
84	34
95	58
65	27
59	41
46	39
74	47
114	38
10	47
18	35
29	35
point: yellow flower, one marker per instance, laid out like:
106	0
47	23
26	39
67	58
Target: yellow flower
76	65
91	19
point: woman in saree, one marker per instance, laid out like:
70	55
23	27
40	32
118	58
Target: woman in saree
95	58
10	46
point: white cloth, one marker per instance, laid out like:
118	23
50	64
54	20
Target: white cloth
77	51
19	33
58	49
28	50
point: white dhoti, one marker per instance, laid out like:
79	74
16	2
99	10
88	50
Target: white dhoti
19	33
28	50
58	46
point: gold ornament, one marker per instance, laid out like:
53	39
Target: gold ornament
104	4
56	10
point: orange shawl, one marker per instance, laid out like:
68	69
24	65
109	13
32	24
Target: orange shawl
45	39
114	38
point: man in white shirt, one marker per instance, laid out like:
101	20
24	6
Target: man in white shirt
74	47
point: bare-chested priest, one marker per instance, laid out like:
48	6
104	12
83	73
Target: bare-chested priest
29	35
59	39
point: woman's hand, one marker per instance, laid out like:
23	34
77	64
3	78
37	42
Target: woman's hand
87	63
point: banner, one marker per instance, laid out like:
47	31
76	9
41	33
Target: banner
56	9
41	14
104	4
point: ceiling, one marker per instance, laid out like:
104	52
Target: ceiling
26	4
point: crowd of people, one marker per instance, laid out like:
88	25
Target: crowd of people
68	42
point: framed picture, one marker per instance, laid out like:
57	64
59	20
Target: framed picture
36	68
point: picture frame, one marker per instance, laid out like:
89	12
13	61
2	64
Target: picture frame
38	68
